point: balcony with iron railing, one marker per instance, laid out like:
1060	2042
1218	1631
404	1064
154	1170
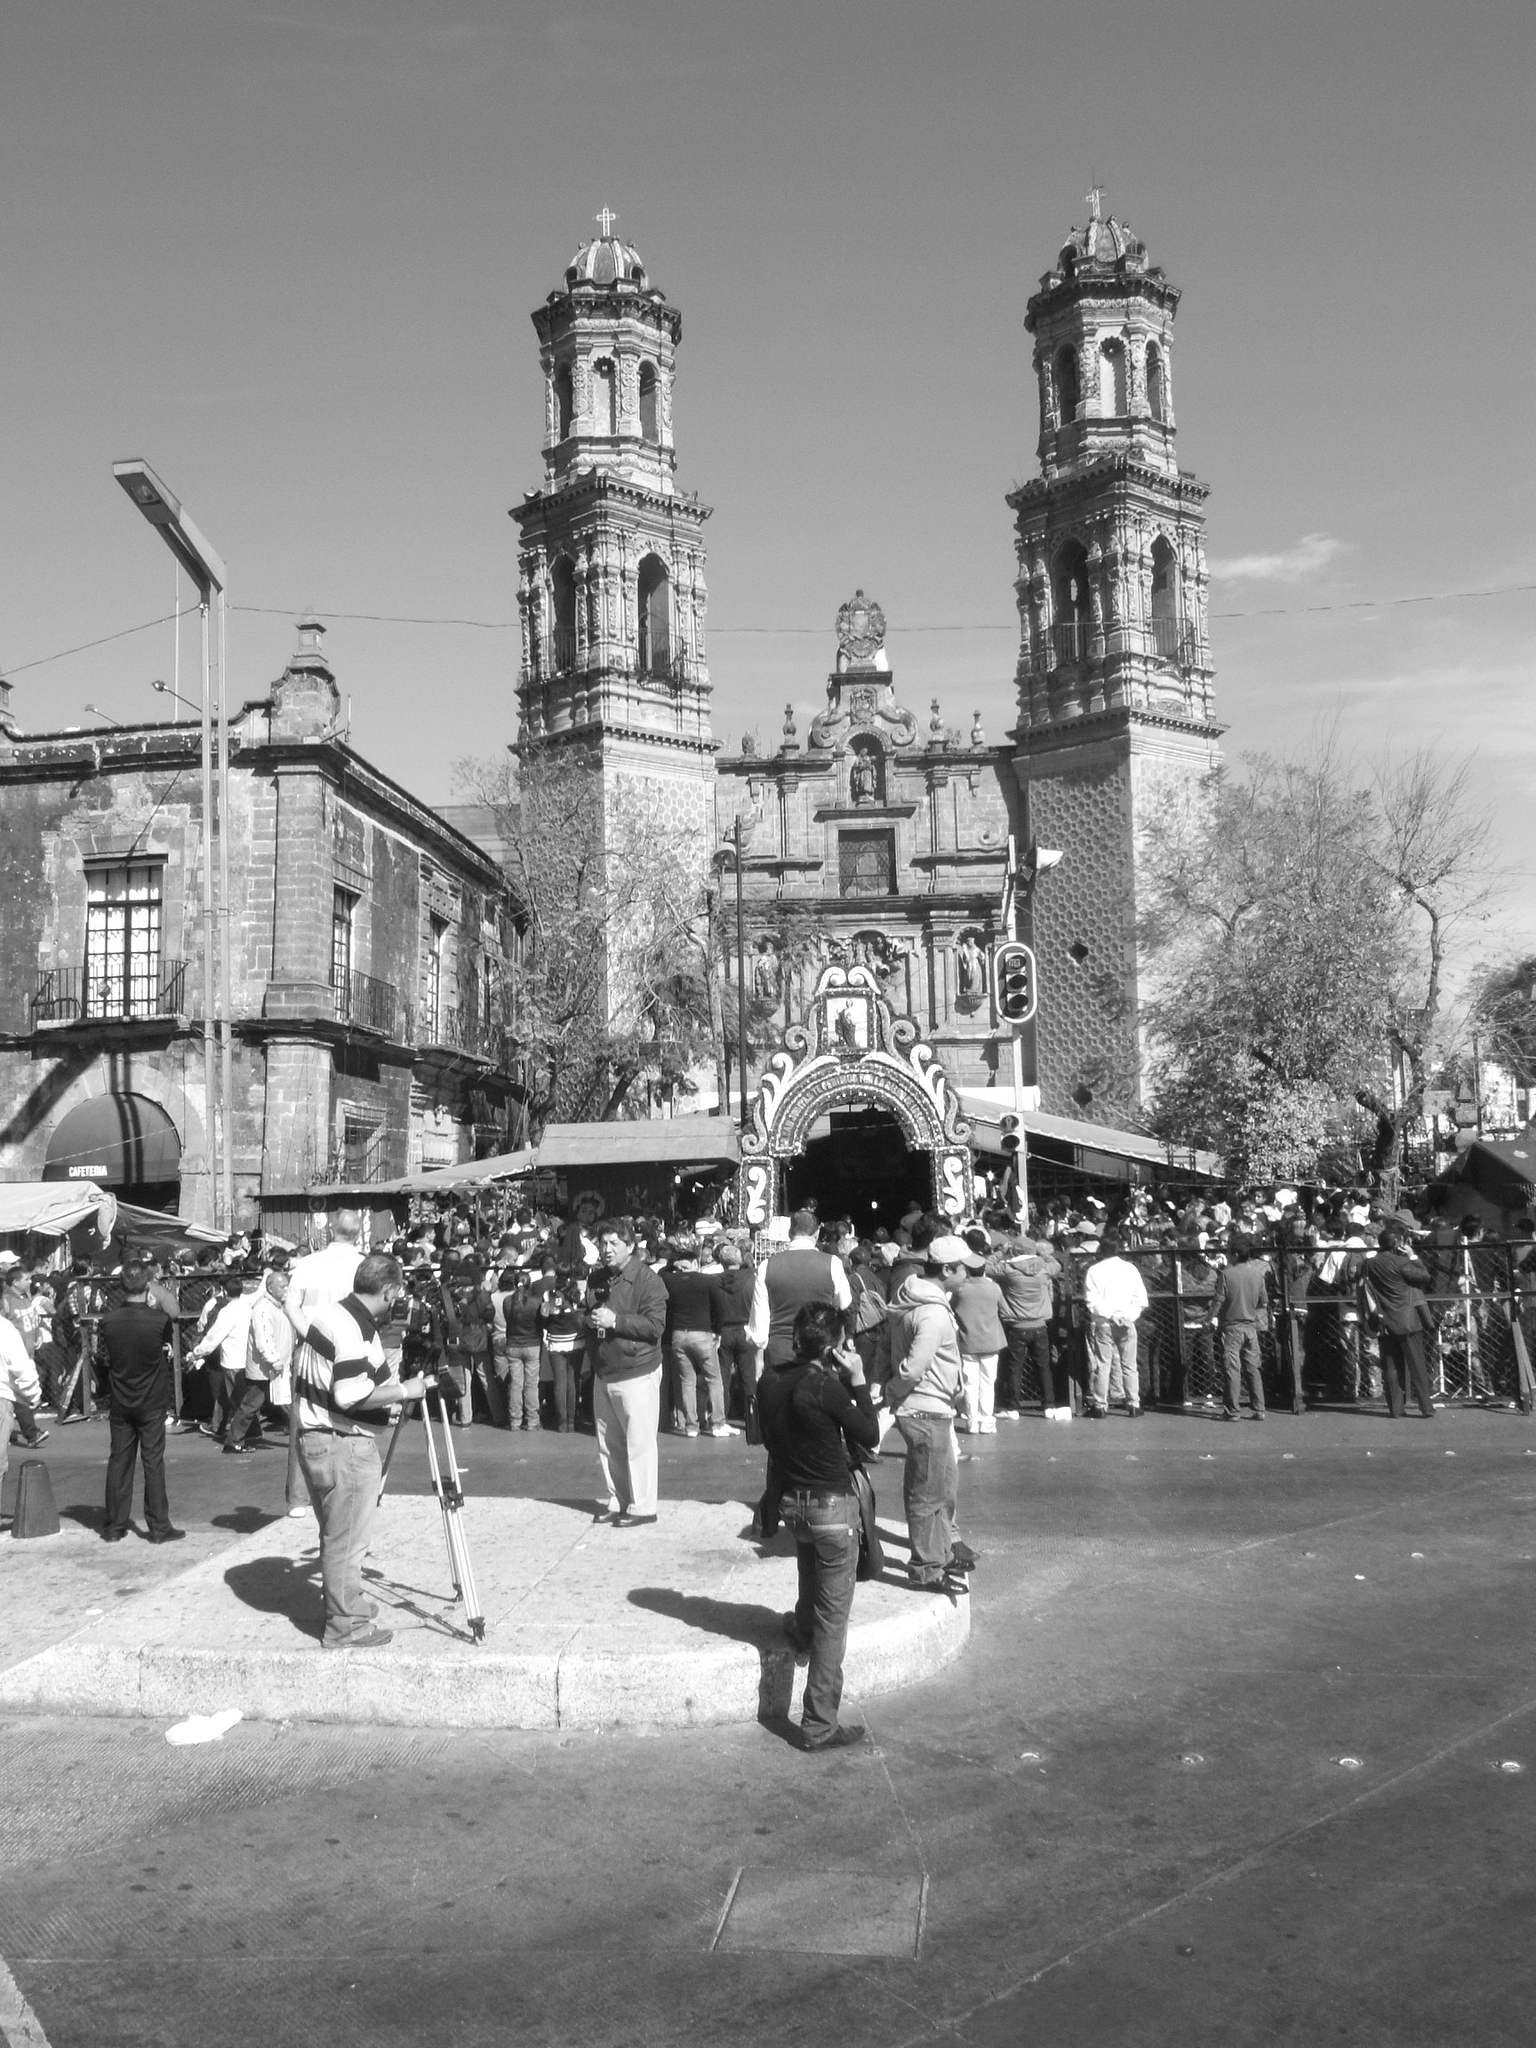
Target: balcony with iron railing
464	1031
127	993
371	1005
563	650
1069	642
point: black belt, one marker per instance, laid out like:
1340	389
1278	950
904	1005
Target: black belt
815	1500
325	1429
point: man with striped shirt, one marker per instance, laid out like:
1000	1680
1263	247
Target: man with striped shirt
340	1380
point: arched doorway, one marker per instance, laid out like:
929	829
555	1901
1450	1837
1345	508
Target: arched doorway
857	1108
860	1167
122	1142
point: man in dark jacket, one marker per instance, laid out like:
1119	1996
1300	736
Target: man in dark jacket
133	1340
625	1328
1240	1309
1399	1283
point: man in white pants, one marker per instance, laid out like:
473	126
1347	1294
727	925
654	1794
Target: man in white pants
319	1280
627	1325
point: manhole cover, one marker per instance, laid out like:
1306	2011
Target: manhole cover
824	1913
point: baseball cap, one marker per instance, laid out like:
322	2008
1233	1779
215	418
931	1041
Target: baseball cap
953	1251
9	1259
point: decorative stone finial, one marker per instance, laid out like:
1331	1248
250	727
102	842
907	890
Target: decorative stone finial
9	729
791	742
936	733
978	737
305	700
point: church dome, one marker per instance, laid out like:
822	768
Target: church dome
606	261
1105	244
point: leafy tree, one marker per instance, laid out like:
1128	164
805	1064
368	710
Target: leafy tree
1296	923
1503	1013
613	984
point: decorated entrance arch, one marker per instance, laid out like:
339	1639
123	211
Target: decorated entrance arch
852	1049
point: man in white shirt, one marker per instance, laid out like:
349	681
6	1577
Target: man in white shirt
1115	1295
790	1280
225	1340
320	1280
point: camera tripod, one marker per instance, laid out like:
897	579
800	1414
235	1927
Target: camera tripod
450	1498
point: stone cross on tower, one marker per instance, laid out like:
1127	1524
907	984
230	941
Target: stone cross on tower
1095	197
607	221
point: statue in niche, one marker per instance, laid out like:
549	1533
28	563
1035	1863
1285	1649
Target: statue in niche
970	967
767	975
864	774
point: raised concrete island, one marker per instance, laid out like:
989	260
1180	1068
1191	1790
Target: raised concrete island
587	1626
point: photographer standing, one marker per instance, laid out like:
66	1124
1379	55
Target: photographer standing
339	1373
626	1322
811	1408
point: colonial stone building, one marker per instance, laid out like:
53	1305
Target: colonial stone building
369	945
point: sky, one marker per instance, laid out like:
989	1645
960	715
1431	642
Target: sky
287	253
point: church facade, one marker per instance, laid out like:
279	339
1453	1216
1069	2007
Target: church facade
880	838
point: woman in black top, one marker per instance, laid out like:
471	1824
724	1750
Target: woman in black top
812	1408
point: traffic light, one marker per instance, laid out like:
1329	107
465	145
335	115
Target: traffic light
1011	1135
1013	969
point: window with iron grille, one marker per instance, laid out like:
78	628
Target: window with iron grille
866	863
122	939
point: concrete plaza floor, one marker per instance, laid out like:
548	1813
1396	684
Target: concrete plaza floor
1241	1750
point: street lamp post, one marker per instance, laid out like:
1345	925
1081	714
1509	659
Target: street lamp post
164	511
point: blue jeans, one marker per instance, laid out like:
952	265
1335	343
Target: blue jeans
930	1488
695	1355
343	1475
826	1532
522	1357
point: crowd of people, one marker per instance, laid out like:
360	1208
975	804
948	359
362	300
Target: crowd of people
821	1345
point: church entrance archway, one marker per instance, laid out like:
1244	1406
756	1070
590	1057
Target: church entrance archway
855	1106
860	1167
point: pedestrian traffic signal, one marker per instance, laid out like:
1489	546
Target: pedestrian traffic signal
1009	1126
1013	968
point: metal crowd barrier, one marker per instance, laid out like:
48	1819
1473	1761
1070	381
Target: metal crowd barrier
1318	1346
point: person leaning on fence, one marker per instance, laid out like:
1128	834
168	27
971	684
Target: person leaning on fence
1239	1310
1114	1298
1397	1285
813	1407
340	1382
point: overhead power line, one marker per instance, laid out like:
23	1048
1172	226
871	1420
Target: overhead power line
1279	611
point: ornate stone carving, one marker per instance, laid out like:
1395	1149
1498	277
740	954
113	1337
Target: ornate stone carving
852	1048
860	631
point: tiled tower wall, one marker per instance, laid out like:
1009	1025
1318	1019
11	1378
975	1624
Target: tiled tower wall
1086	1029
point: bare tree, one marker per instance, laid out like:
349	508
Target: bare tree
1432	852
612	985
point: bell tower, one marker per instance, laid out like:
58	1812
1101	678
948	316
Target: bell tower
1114	674
611	589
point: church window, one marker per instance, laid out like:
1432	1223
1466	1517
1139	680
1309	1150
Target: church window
649	427
1073	612
1066	385
1165	600
605	398
655	618
1157	403
565	614
564	402
1113	404
866	863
